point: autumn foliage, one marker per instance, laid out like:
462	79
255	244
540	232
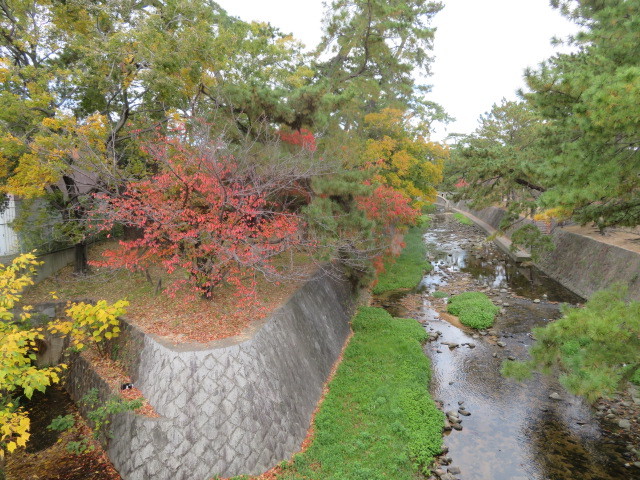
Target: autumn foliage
389	208
302	138
203	213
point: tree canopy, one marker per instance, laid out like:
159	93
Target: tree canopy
581	154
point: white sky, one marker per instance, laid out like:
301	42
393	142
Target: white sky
482	47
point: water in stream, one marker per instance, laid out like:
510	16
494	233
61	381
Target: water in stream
515	431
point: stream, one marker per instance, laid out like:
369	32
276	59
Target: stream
515	431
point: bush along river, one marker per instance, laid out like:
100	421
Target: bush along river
498	428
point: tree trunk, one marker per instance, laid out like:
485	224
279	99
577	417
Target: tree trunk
132	233
81	264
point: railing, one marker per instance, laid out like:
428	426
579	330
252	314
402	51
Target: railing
9	243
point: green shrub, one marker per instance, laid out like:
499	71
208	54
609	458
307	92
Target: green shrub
406	270
378	420
439	294
462	219
474	309
595	347
430	208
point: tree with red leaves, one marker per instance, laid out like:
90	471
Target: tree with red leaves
207	212
392	213
303	138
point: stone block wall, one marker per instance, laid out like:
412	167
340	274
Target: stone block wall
236	406
581	264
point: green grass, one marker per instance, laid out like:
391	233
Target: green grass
474	309
430	208
462	219
439	294
406	270
378	420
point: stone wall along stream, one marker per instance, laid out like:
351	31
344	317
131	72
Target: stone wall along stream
508	430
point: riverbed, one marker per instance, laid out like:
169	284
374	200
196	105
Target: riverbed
515	431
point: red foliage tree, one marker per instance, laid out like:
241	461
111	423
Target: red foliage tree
303	138
204	213
391	211
389	208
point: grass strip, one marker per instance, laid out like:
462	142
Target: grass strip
474	309
378	420
406	270
462	219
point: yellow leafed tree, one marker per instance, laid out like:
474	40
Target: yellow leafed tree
401	156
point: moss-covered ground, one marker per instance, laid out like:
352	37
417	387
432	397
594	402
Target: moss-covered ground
406	270
378	420
474	309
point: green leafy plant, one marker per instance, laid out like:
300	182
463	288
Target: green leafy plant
474	309
462	219
405	271
101	412
378	420
62	423
594	348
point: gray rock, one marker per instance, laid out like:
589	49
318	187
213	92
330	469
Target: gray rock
624	423
537	300
505	304
454	470
456	426
495	355
555	396
464	412
511	357
501	344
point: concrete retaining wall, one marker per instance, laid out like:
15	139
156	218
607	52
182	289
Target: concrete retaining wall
585	265
580	263
52	262
234	406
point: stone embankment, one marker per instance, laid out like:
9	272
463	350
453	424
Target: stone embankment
581	263
235	406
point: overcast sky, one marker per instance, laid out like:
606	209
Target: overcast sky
482	47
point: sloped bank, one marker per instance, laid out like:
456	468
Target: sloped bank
234	406
579	263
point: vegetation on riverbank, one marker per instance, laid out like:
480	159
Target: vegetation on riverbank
378	420
595	347
406	270
462	219
474	309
